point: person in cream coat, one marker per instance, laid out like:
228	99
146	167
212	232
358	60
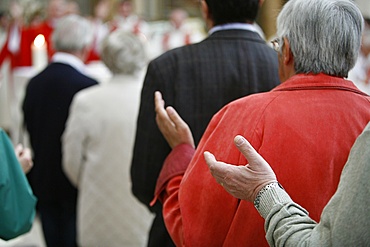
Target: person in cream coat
97	148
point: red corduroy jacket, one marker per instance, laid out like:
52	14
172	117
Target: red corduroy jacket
304	128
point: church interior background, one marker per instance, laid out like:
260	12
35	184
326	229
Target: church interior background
154	12
157	10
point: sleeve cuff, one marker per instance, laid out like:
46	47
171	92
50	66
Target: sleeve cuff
271	197
175	164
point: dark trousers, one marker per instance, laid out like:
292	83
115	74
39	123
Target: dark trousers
58	223
158	235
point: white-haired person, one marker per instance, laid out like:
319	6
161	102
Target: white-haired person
304	128
97	149
45	108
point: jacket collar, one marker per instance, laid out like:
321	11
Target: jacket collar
71	60
241	26
237	34
317	82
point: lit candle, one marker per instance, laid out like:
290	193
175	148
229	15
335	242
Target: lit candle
39	52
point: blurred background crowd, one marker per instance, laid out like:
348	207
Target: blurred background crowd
161	24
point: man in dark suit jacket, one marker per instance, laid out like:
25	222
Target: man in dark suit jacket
198	80
46	105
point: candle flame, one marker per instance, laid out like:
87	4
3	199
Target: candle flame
39	40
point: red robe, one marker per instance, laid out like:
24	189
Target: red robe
304	128
27	35
23	56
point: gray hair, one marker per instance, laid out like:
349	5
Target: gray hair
123	52
72	33
324	35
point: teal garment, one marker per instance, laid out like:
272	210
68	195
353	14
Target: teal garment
17	202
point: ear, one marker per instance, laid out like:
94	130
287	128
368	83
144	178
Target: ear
261	2
286	52
206	14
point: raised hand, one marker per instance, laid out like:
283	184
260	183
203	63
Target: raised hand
173	128
243	182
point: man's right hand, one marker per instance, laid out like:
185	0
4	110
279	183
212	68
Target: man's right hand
245	181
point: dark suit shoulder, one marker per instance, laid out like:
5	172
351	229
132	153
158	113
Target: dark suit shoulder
62	72
69	71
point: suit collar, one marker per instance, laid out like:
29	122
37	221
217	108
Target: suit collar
237	34
66	58
228	26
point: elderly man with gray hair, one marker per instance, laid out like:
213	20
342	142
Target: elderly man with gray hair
45	107
97	149
304	128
